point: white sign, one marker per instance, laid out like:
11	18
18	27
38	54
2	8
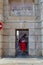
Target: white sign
22	9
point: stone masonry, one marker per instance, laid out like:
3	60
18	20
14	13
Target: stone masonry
13	22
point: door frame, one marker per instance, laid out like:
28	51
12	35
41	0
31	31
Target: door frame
16	39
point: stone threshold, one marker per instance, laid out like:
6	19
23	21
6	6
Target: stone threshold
21	61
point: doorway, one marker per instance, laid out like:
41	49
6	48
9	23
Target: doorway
22	43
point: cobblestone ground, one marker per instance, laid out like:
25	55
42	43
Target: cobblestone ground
20	61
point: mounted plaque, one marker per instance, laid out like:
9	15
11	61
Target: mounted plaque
22	9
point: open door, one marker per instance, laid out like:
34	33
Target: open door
22	45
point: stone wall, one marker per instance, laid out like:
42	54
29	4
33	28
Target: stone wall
11	23
41	10
1	20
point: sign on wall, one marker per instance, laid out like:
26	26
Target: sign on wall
20	9
1	25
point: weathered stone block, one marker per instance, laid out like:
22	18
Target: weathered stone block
0	52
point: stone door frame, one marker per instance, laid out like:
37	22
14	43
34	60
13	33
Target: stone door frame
16	38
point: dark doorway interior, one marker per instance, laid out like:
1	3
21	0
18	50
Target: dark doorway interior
22	36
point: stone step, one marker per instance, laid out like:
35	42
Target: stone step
20	61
